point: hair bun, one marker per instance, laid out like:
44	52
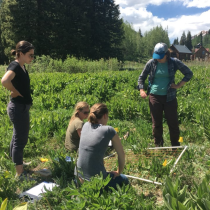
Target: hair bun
13	52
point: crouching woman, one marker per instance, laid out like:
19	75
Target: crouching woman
94	140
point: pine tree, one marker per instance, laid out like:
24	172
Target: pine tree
155	35
176	41
106	30
201	39
183	39
140	34
85	28
189	41
132	46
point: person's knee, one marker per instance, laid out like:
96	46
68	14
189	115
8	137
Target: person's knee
124	179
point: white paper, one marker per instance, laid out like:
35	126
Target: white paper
35	192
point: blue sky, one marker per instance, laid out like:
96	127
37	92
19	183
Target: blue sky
176	15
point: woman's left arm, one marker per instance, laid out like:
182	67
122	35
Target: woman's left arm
179	85
121	155
185	71
79	131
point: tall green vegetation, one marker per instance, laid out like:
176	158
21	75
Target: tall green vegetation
189	41
133	44
86	28
155	35
176	41
204	40
183	39
89	29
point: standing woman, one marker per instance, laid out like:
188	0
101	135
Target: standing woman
162	91
94	141
81	112
17	80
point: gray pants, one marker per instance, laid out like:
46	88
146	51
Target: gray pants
19	115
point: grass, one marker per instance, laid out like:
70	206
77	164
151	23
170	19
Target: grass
47	133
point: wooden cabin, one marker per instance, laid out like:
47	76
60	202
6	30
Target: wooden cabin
180	51
201	53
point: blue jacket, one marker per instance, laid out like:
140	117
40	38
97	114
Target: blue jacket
173	65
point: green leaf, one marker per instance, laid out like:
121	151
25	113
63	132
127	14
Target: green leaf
182	194
206	204
169	201
4	205
22	206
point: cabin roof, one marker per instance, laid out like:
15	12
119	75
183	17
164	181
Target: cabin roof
182	48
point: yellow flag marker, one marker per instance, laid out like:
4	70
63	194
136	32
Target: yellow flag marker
116	129
44	159
180	139
165	163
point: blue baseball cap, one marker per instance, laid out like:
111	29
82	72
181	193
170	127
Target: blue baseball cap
160	50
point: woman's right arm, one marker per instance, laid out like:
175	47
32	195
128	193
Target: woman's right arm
121	155
6	82
143	77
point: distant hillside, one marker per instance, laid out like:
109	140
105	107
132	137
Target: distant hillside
203	38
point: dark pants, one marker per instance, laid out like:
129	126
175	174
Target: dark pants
158	105
19	115
120	180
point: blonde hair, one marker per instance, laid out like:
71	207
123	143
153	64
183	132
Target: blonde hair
78	107
96	112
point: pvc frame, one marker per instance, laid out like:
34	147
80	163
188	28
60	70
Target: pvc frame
155	148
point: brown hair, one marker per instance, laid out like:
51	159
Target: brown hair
22	46
78	107
168	54
96	112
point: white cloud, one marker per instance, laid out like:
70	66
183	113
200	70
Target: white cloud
144	3
140	3
141	18
197	3
193	23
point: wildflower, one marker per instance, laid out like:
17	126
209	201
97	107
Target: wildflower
116	129
44	159
180	139
165	163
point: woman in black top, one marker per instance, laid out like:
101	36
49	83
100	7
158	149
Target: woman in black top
16	79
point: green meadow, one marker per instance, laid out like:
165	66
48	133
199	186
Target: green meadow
57	87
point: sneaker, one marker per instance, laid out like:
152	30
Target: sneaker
26	164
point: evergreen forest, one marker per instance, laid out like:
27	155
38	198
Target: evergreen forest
89	29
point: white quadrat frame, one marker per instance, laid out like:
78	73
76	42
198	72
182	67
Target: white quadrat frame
156	148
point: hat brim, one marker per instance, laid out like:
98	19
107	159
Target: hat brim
158	56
